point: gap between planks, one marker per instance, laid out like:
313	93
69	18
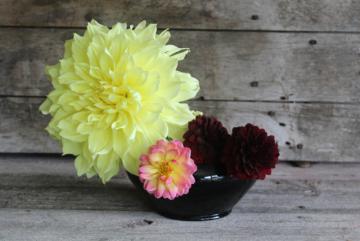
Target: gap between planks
284	15
201	98
191	29
310	132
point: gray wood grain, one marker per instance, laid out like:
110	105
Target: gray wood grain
51	183
229	65
304	131
316	203
318	15
47	225
22	128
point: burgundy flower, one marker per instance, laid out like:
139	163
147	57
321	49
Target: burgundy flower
250	153
206	137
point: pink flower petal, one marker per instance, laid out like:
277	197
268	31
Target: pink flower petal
167	169
160	190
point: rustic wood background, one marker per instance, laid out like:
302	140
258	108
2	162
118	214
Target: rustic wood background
292	67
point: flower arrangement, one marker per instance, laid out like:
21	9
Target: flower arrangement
118	101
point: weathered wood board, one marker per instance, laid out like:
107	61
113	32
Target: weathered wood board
305	131
229	65
45	225
42	199
310	132
320	15
47	182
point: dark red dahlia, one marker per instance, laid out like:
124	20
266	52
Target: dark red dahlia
250	153
206	137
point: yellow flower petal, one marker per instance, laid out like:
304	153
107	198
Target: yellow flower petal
99	140
116	92
69	147
82	165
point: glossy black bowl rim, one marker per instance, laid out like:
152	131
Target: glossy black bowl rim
209	178
217	178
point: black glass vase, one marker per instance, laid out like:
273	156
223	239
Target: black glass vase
210	197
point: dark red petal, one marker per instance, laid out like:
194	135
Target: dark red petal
250	153
206	137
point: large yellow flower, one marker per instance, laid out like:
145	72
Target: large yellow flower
116	92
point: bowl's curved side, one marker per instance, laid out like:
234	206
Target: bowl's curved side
207	199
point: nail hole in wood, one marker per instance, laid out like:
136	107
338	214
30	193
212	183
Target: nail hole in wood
282	124
312	42
254	84
202	98
88	17
254	17
282	98
148	221
299	146
271	113
288	143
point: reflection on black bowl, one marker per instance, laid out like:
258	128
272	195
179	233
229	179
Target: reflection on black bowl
211	197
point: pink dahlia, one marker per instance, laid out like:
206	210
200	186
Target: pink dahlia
167	169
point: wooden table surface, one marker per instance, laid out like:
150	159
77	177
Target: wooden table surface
41	198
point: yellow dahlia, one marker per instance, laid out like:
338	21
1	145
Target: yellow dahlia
116	92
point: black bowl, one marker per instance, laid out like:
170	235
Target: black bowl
211	197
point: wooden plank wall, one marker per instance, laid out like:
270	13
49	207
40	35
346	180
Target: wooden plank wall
292	67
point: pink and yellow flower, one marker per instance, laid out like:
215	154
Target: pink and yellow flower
167	169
